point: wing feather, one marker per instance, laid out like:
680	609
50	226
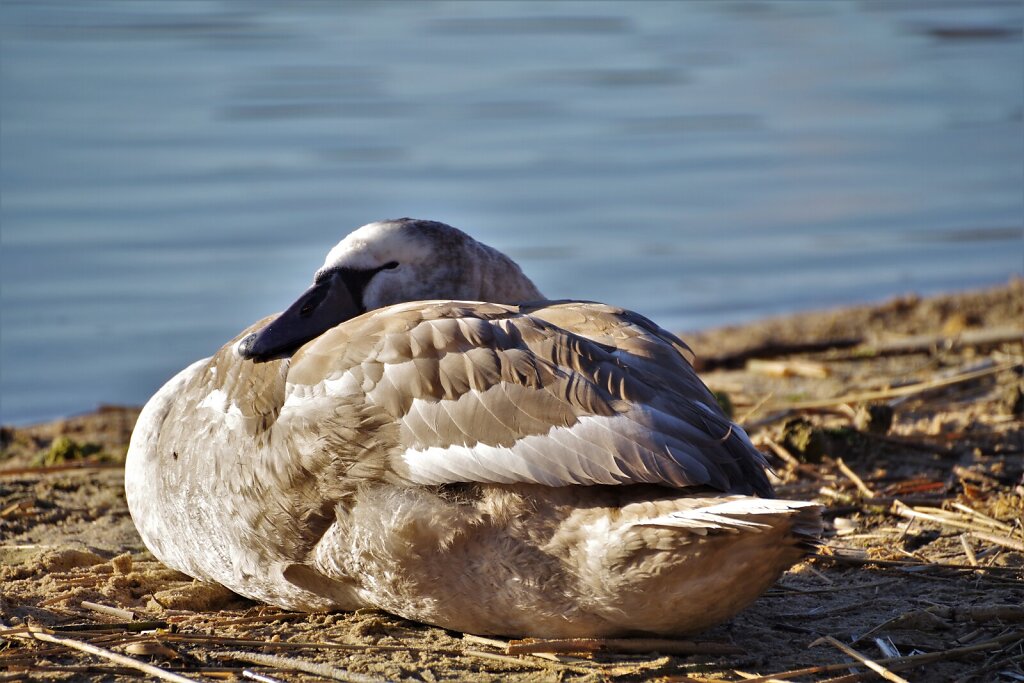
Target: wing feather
556	394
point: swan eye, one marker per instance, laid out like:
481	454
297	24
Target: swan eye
313	300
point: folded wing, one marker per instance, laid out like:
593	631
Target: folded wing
561	393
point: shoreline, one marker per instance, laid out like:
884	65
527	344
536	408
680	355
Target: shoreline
840	327
912	438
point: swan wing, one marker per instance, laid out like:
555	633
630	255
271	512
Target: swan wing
558	394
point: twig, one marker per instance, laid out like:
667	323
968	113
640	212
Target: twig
17	506
124	660
125	614
246	673
290	663
793	367
979	520
792	673
981	478
944	518
982	516
757	406
781	451
480	640
968	550
852	476
120	626
860	561
869	663
503	644
999	540
516	661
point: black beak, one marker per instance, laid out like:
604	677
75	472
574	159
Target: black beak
324	305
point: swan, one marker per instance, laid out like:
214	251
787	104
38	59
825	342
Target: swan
424	433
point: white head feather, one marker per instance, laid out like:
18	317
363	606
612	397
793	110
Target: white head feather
434	261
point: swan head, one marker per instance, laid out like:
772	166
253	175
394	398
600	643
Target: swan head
391	262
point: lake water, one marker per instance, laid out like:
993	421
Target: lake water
172	171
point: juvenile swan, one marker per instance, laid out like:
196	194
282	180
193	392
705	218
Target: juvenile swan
515	467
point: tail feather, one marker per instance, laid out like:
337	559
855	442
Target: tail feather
744	513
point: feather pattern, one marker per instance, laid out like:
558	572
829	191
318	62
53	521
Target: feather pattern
537	398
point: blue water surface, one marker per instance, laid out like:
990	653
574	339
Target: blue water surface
172	171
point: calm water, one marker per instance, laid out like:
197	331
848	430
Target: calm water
172	171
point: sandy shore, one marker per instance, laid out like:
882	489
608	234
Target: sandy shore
906	419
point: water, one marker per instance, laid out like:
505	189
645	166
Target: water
172	171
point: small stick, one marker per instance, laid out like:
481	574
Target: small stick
779	450
792	673
125	614
480	640
906	530
820	574
999	540
246	673
835	495
991	520
503	644
849	559
968	550
794	367
314	668
852	476
126	626
501	658
940	517
753	411
16	506
869	663
124	660
979	521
